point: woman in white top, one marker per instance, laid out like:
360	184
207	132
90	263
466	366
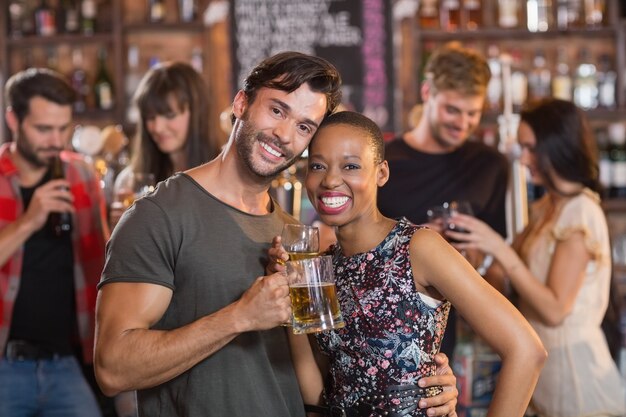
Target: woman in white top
560	265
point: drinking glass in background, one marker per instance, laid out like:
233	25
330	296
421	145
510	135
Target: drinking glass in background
457	207
441	215
135	186
313	295
300	241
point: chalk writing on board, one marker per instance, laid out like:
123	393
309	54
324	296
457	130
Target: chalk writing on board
353	35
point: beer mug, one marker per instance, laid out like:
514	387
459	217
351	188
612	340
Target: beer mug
313	295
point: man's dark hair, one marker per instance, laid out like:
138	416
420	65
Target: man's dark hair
43	82
287	71
363	123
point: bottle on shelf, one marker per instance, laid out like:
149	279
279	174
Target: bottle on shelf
617	155
156	11
607	83
450	14
45	23
575	17
88	10
562	14
60	223
508	13
494	88
539	78
604	161
594	12
519	81
538	15
197	59
68	17
28	18
103	86
78	80
187	10
428	14
562	80
471	16
131	82
585	82
16	15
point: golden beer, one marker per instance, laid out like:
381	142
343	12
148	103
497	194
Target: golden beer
297	256
315	307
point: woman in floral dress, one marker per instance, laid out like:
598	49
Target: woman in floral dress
395	283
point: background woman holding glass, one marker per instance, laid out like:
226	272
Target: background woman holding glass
172	131
395	282
560	265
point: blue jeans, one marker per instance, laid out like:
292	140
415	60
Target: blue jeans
45	388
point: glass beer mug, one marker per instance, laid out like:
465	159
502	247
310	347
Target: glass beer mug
313	295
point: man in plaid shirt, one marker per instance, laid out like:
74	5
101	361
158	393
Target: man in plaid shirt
47	280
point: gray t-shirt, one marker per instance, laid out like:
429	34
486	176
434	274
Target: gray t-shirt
208	253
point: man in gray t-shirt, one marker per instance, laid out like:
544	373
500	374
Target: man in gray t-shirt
181	315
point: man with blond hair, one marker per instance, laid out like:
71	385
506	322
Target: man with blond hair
435	162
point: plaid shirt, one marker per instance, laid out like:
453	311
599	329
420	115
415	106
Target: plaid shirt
89	234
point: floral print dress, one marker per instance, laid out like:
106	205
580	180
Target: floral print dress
392	332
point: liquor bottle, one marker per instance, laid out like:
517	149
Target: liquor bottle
594	12
604	162
585	82
78	80
472	14
187	10
494	88
68	16
60	223
28	18
429	14
519	81
131	82
450	14
16	15
52	60
156	11
539	79
45	23
575	13
562	14
538	15
88	17
607	82
197	59
562	80
103	86
508	11
617	154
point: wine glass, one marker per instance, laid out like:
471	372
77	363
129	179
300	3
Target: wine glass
301	241
457	207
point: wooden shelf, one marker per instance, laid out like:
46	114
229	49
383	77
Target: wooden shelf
29	41
196	26
613	205
515	34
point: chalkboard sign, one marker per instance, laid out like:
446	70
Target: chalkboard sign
354	35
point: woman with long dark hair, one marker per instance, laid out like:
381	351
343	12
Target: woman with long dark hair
173	128
560	265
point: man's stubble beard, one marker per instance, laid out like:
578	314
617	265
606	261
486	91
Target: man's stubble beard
28	153
245	141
